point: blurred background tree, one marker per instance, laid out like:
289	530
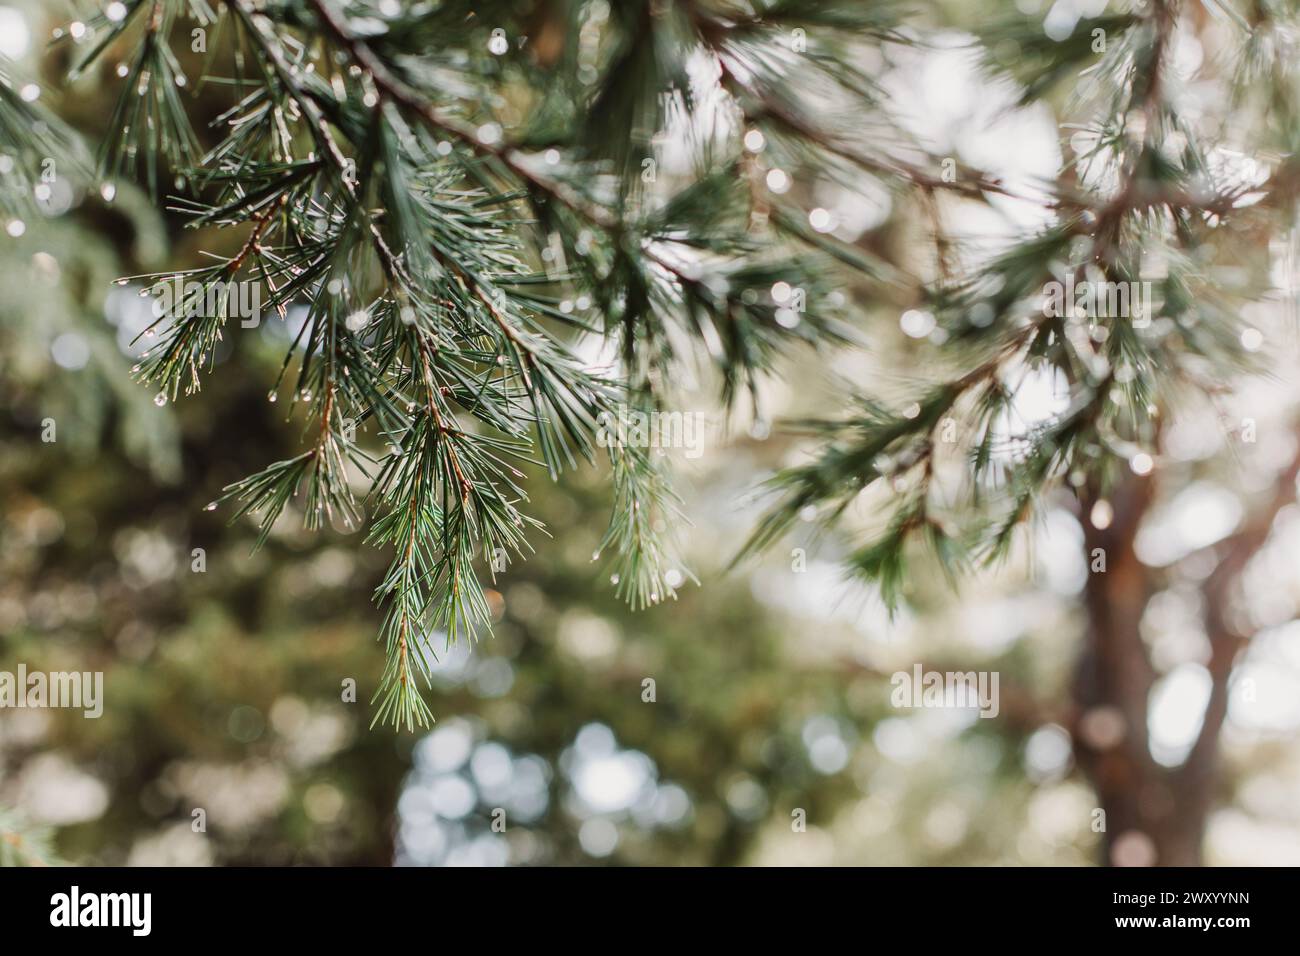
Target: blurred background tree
767	734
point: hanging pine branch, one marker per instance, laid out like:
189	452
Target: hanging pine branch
450	196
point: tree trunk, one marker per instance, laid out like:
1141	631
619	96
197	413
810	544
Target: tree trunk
1152	816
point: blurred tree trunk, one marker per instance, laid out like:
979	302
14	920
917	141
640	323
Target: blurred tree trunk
1112	684
1153	814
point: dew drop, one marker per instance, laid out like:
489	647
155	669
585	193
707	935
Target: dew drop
271	396
160	399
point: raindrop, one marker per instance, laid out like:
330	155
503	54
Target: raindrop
160	399
1141	463
778	180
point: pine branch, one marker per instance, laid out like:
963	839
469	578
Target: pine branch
1118	375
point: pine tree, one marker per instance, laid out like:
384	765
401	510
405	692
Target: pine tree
1154	195
442	201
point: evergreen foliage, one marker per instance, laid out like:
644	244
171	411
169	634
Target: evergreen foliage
448	202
